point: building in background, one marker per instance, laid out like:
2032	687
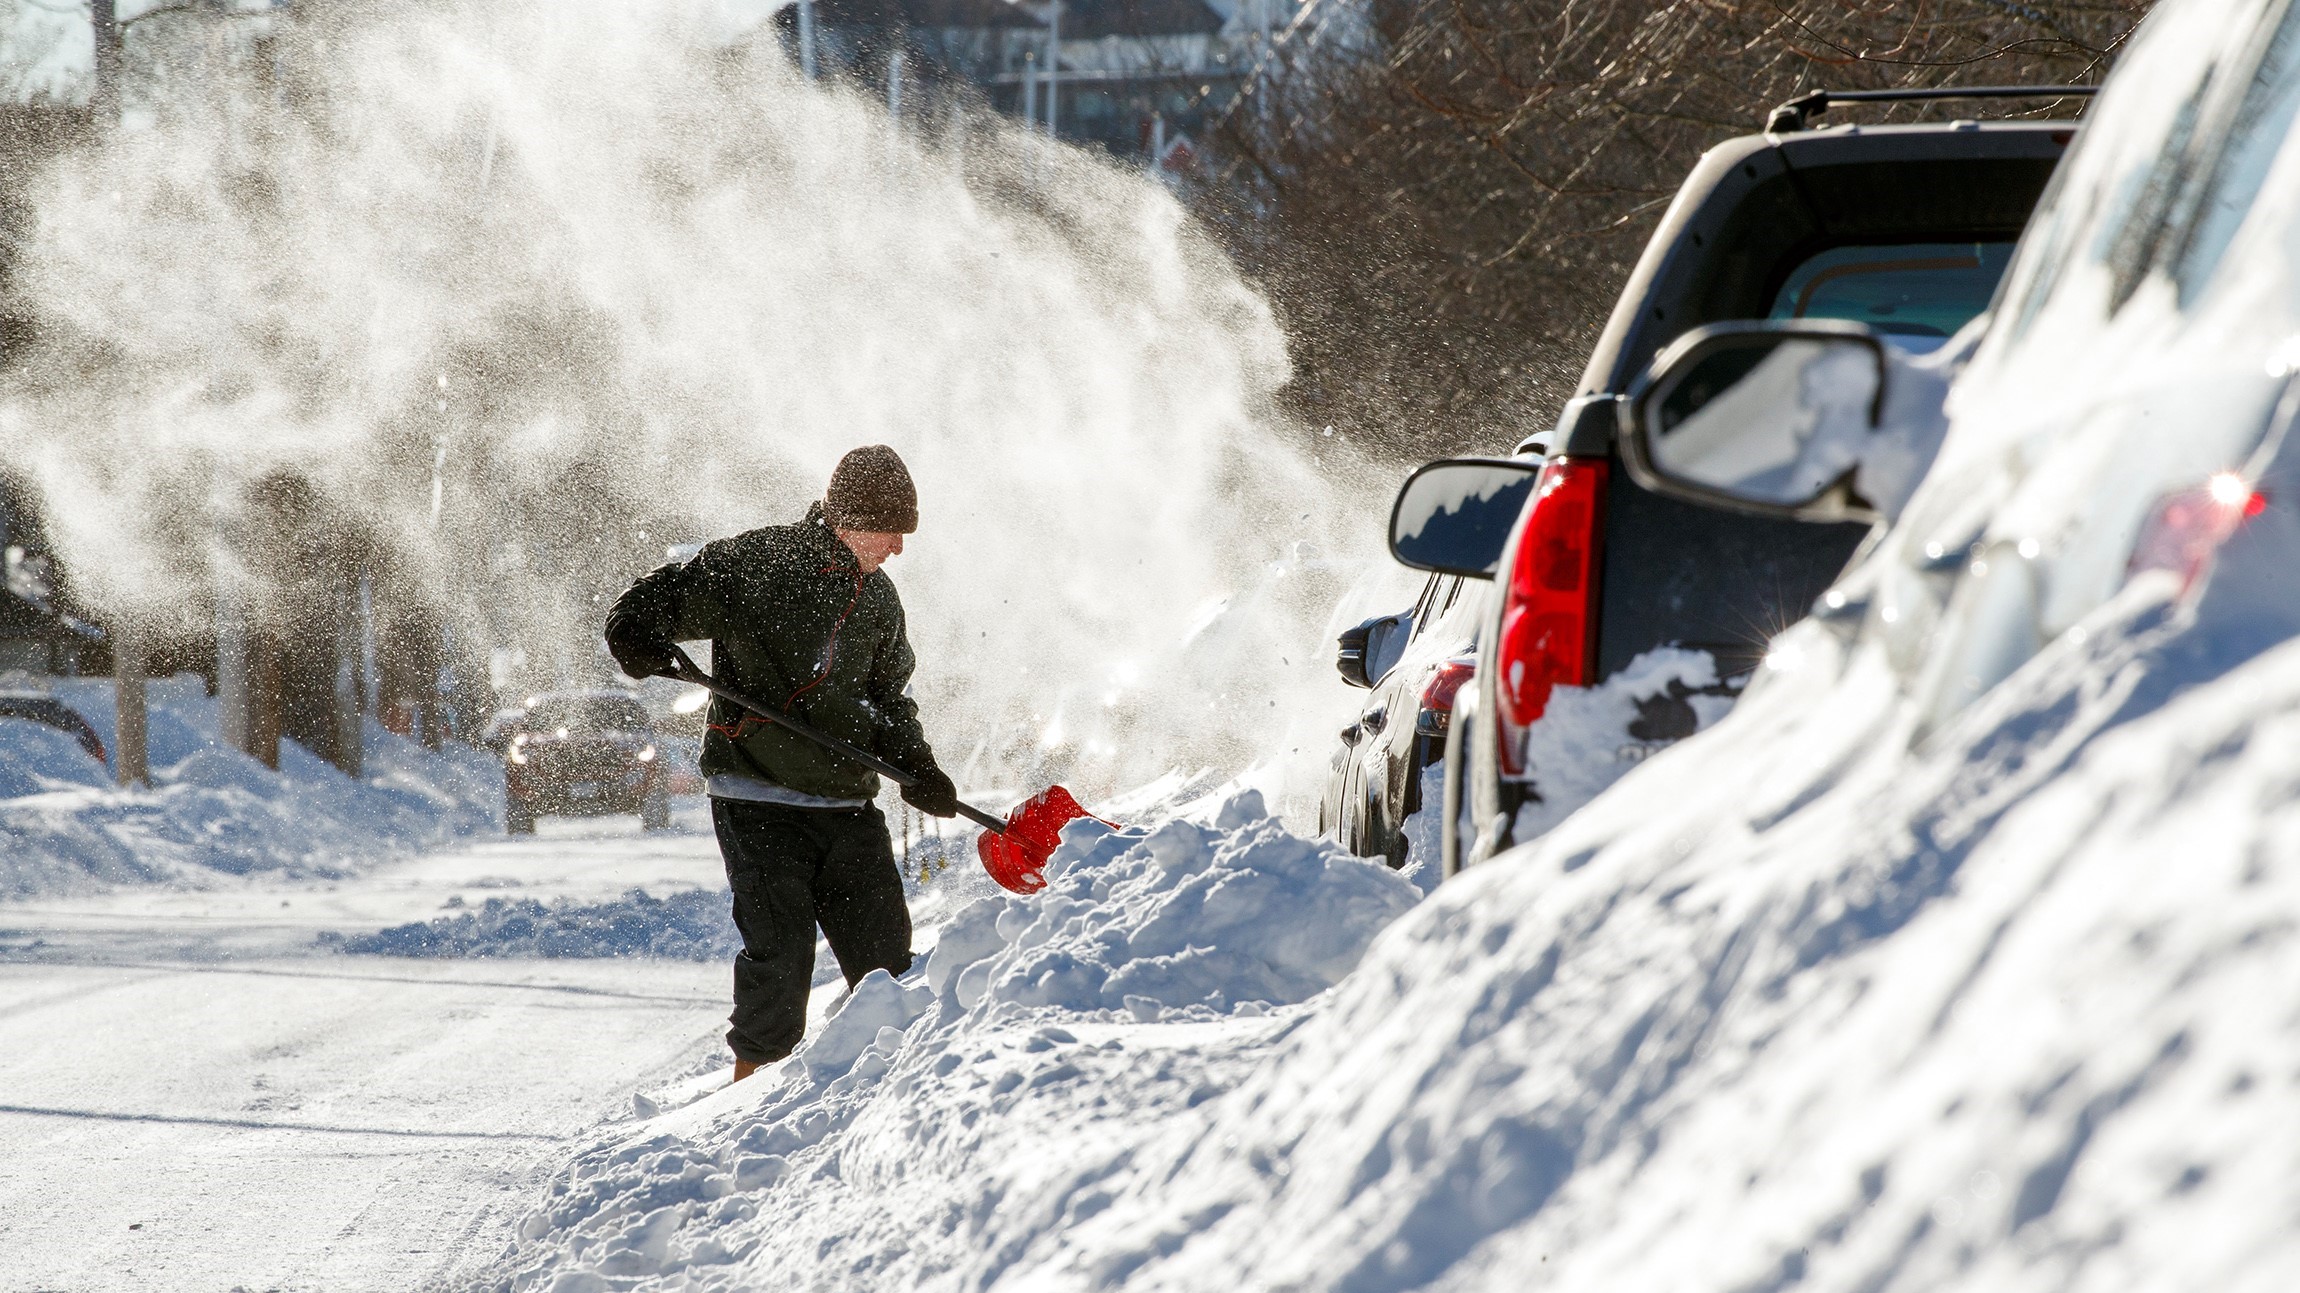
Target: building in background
1136	78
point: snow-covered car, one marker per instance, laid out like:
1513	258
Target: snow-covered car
1904	229
584	753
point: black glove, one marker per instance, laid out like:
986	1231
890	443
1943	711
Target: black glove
642	659
932	793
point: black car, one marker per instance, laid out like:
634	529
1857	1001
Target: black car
50	712
585	753
1414	663
1903	228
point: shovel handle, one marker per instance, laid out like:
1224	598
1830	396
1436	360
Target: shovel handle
685	670
981	818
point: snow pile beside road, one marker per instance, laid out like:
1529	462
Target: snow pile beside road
1795	1006
213	811
1801	1003
892	1145
1186	916
691	926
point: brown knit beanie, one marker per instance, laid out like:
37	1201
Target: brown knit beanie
871	490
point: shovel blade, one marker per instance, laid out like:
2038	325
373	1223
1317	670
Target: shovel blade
1017	859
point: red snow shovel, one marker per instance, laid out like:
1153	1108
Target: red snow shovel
1014	851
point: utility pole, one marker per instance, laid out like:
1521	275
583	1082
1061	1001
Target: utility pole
894	84
1262	74
1053	68
130	724
104	96
807	38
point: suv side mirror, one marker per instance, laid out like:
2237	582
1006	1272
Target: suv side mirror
1453	516
1765	418
1368	651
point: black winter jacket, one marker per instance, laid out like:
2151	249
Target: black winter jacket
793	622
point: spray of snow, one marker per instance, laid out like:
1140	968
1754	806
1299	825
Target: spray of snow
510	296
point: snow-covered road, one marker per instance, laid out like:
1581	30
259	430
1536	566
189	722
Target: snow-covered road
195	1095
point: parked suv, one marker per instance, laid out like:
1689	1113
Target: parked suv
582	752
1904	229
2118	450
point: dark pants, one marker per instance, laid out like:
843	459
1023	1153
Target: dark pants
792	869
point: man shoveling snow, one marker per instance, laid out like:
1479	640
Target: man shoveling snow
804	616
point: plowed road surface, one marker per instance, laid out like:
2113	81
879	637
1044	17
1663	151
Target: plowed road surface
196	1095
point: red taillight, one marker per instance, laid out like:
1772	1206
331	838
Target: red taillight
2189	526
1548	615
1437	694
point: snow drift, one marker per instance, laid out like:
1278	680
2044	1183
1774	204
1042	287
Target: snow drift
212	811
923	1106
1792	1005
690	925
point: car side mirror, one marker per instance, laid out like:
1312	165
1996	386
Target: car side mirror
1366	652
1454	516
1765	418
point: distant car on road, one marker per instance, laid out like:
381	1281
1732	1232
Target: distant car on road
1903	229
584	753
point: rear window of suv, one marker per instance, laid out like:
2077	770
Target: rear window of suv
1917	292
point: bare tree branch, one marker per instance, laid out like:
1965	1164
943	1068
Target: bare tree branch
1444	196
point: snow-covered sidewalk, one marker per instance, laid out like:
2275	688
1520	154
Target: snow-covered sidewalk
211	812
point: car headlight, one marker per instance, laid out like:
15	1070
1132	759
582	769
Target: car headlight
518	750
647	754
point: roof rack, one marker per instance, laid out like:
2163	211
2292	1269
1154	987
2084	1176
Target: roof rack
1798	113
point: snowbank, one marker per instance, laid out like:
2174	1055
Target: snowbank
212	811
1796	1004
691	926
1186	915
925	1108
